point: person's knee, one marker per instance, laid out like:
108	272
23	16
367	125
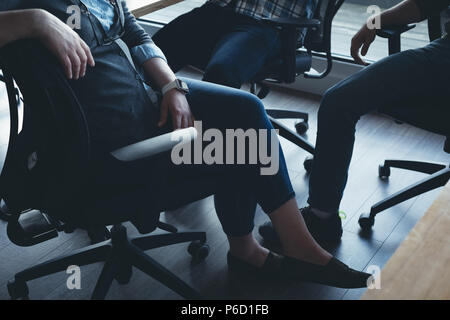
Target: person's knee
336	104
251	108
222	73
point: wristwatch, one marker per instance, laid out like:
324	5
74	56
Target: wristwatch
178	84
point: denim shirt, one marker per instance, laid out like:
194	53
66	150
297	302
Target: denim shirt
118	108
104	11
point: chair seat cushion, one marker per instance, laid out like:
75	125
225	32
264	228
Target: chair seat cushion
434	118
274	68
120	192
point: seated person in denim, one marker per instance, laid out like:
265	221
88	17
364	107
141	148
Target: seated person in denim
226	38
417	78
119	112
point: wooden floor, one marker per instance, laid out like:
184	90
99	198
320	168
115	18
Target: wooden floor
378	138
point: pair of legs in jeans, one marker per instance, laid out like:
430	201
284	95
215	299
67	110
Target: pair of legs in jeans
231	48
417	78
237	190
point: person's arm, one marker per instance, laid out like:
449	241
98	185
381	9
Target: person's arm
151	58
174	101
15	25
406	12
63	42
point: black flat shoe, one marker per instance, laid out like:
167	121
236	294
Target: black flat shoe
335	273
324	231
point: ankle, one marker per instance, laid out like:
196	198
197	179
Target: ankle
254	256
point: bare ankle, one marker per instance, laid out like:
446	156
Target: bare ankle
248	249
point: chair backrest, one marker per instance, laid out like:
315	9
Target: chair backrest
48	165
319	40
46	162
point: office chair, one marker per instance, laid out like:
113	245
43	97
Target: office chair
46	183
439	173
4	213
292	63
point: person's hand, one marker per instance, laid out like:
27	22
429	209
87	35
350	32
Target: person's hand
72	52
175	102
364	39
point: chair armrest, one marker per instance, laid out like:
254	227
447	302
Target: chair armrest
293	22
394	31
154	146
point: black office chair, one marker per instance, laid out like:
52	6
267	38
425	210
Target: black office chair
46	185
292	63
422	118
4	212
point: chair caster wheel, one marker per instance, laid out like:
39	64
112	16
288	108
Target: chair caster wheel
98	234
263	92
198	250
5	215
301	127
18	290
124	275
366	222
308	164
384	172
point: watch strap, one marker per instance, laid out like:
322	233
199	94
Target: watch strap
169	86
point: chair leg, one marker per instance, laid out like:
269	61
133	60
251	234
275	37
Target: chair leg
432	182
287	114
106	278
146	264
292	136
85	256
161	240
424	167
253	88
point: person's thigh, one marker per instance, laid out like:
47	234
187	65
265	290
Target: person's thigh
191	37
240	54
428	101
222	107
411	78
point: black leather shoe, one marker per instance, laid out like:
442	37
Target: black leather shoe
335	273
324	231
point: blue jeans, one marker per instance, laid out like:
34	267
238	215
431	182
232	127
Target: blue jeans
231	48
413	79
237	189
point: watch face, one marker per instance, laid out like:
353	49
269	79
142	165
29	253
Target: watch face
182	85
